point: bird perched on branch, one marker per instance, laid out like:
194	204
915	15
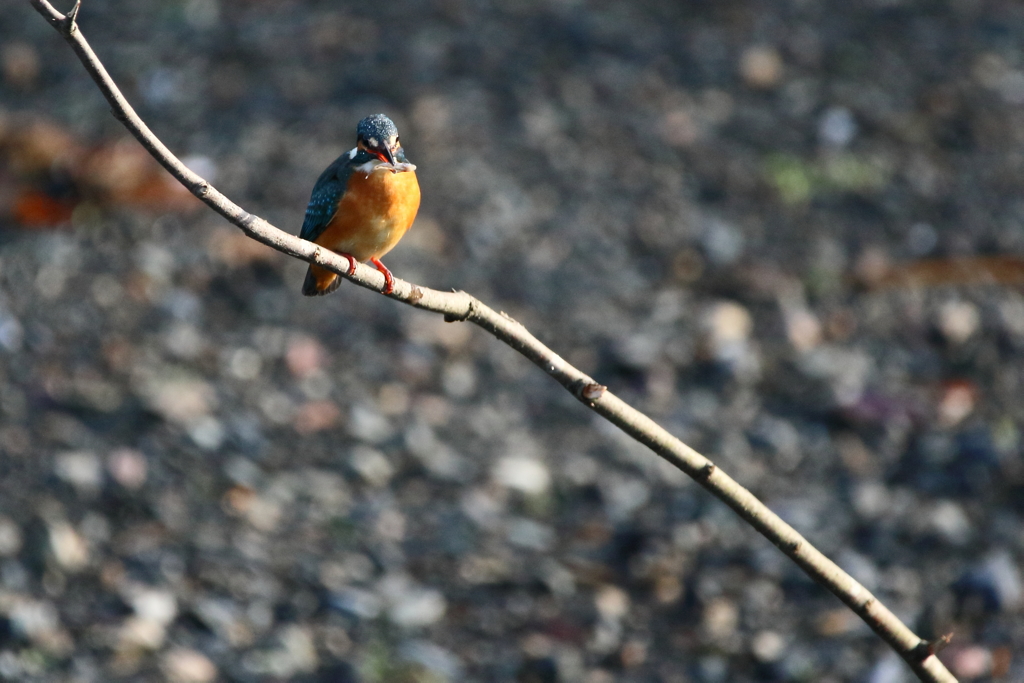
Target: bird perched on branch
362	204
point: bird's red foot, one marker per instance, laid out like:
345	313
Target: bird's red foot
389	279
351	263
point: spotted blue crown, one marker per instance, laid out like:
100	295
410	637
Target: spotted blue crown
377	127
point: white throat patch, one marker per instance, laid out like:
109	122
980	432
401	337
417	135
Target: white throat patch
370	166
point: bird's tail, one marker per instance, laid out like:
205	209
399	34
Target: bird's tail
320	281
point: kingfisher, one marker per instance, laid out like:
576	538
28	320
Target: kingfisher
362	204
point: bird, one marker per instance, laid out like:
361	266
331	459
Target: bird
362	204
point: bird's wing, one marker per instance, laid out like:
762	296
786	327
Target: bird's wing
327	193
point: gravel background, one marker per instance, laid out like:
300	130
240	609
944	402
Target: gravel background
744	217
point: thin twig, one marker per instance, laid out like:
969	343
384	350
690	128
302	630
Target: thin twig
72	15
459	306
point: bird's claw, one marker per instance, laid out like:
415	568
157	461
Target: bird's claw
389	279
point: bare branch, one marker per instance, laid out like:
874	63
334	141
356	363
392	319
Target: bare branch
459	306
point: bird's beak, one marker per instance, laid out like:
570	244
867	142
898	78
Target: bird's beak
389	156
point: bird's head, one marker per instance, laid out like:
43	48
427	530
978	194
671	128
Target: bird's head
378	136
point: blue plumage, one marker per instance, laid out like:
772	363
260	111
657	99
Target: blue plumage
327	193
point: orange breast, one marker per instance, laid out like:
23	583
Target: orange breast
373	214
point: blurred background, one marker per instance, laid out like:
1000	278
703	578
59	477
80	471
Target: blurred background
791	232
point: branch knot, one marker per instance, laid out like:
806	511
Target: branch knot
69	19
460	317
706	471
